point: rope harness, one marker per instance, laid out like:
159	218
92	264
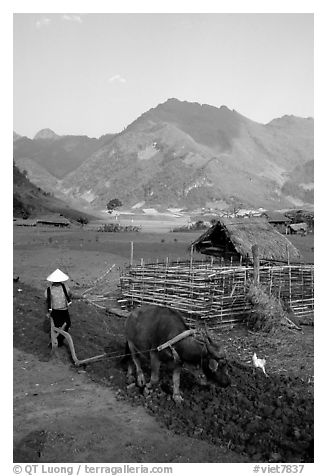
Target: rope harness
169	344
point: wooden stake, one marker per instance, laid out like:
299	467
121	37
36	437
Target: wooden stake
256	264
191	258
271	281
132	253
290	281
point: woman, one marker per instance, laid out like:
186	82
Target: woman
58	298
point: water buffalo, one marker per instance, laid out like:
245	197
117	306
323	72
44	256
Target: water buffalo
151	326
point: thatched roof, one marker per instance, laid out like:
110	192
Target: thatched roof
240	234
53	220
276	217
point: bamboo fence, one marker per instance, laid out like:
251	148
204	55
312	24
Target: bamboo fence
214	292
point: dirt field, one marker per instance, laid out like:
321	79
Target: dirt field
66	414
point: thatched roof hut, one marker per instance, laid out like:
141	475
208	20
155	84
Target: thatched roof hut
298	228
53	220
276	217
278	220
236	236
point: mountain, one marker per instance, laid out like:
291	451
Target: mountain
46	134
16	136
190	155
29	200
58	155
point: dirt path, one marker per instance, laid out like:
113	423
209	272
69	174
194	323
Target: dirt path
60	415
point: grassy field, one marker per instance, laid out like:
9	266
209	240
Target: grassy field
85	254
305	244
149	246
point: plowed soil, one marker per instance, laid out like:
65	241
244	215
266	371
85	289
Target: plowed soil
259	418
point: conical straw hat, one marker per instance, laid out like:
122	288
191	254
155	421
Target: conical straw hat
57	277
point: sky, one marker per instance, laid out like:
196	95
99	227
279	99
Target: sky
95	73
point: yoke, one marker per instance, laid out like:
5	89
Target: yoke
175	339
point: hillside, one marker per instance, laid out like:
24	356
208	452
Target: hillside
32	201
190	155
301	182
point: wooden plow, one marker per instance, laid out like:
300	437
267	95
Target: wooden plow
55	331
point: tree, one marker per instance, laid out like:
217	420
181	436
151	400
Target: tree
113	204
232	211
82	220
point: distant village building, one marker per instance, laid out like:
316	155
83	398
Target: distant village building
245	212
25	222
278	220
50	220
234	238
298	229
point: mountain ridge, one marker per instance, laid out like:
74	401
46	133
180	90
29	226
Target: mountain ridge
57	154
190	154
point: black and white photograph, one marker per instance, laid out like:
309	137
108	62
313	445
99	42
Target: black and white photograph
163	240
